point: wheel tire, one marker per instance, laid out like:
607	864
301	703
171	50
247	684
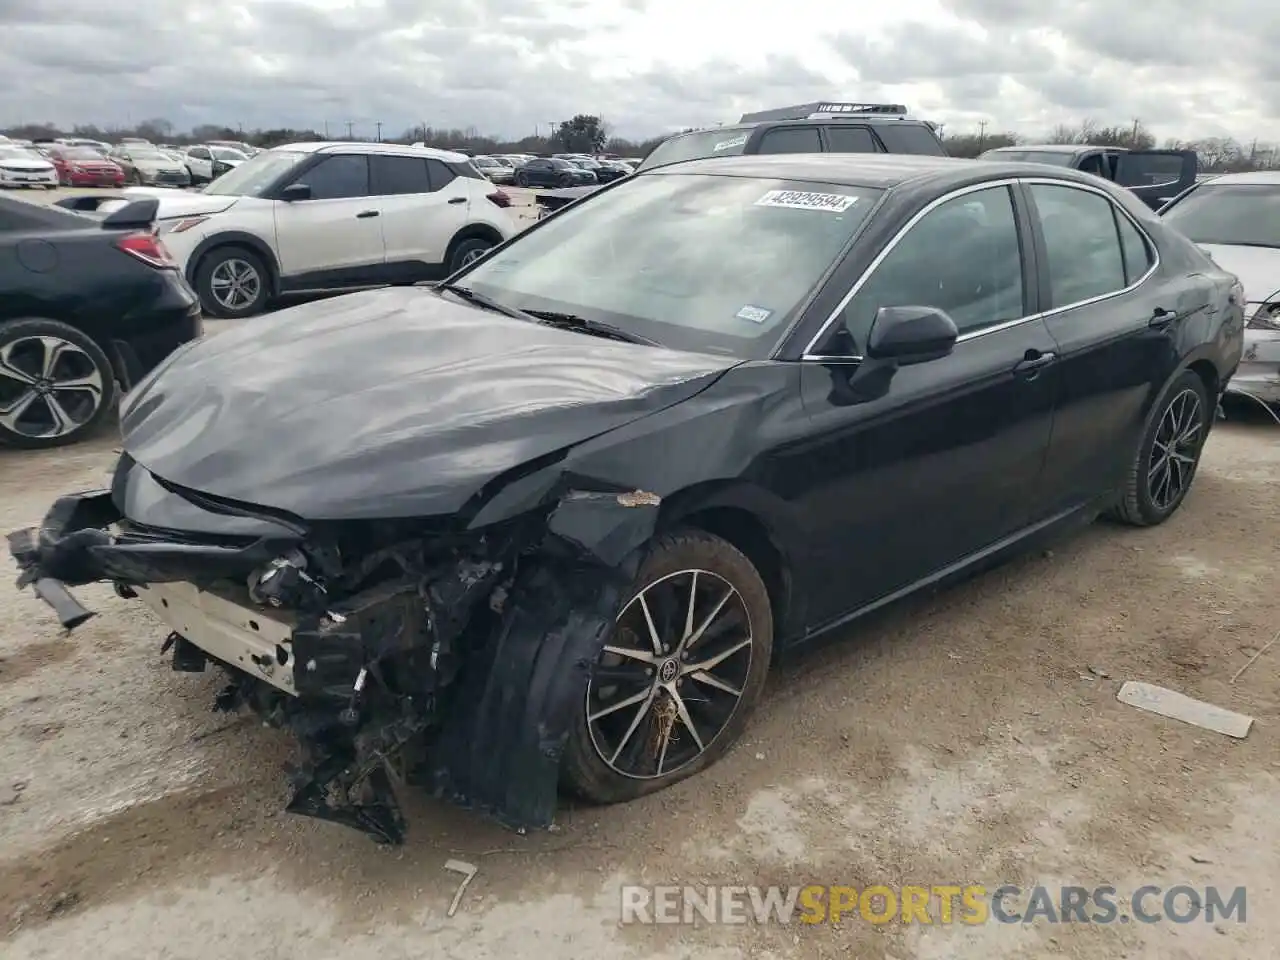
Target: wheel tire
1137	507
25	329
564	181
466	251
204	275
522	180
583	771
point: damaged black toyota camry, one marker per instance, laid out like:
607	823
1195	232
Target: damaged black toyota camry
549	522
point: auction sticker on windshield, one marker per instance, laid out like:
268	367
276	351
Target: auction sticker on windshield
803	200
730	144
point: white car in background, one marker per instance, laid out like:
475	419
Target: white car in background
23	167
1235	218
324	216
207	163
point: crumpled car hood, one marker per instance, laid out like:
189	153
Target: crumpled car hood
393	403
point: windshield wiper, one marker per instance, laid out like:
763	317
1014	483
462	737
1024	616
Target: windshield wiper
480	300
598	328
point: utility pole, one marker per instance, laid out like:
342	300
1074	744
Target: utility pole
326	129
378	136
982	133
350	124
1133	138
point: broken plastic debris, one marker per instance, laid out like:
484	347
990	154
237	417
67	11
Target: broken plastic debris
1176	706
639	498
468	871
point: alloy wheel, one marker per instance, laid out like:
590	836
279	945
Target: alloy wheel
1175	450
471	256
49	387
235	284
672	676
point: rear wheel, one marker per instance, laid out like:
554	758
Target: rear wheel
468	251
522	180
675	686
56	384
1164	465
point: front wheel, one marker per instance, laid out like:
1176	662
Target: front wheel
522	180
1164	465
677	681
56	384
232	283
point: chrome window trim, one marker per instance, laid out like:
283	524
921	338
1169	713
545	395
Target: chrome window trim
1152	248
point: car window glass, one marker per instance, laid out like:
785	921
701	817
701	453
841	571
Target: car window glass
845	139
440	173
1137	254
900	137
963	257
1081	243
1151	170
401	175
338	177
791	140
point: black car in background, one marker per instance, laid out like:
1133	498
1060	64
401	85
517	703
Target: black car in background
87	306
805	128
1155	176
552	172
551	521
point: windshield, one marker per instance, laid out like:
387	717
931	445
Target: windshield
226	153
18	153
703	263
138	153
80	153
1240	213
1055	157
720	142
255	175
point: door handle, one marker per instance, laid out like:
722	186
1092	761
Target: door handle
1161	318
365	214
457	199
1032	363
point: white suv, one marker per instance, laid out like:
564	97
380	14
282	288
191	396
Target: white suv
313	216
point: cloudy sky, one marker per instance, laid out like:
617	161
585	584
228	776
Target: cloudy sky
510	67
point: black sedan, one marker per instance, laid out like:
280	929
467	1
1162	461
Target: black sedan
552	172
87	305
551	521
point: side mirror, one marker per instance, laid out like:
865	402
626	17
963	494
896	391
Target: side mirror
911	335
295	192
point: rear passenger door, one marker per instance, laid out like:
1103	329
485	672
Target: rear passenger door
1103	309
423	206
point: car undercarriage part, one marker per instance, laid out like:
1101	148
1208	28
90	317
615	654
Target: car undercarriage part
455	660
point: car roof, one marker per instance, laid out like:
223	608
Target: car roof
1056	148
1251	178
876	170
390	149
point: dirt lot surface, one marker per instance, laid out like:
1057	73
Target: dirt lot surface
969	737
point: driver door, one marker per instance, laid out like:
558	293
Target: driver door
1157	176
940	460
333	239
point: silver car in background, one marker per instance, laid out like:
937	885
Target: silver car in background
1235	218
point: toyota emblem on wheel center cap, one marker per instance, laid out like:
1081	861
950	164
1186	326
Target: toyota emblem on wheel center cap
669	670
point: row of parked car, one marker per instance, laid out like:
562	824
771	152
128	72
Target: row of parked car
76	162
326	216
561	170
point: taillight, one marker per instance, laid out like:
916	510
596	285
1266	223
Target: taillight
147	248
499	198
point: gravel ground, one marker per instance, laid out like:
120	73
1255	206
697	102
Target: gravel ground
972	736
